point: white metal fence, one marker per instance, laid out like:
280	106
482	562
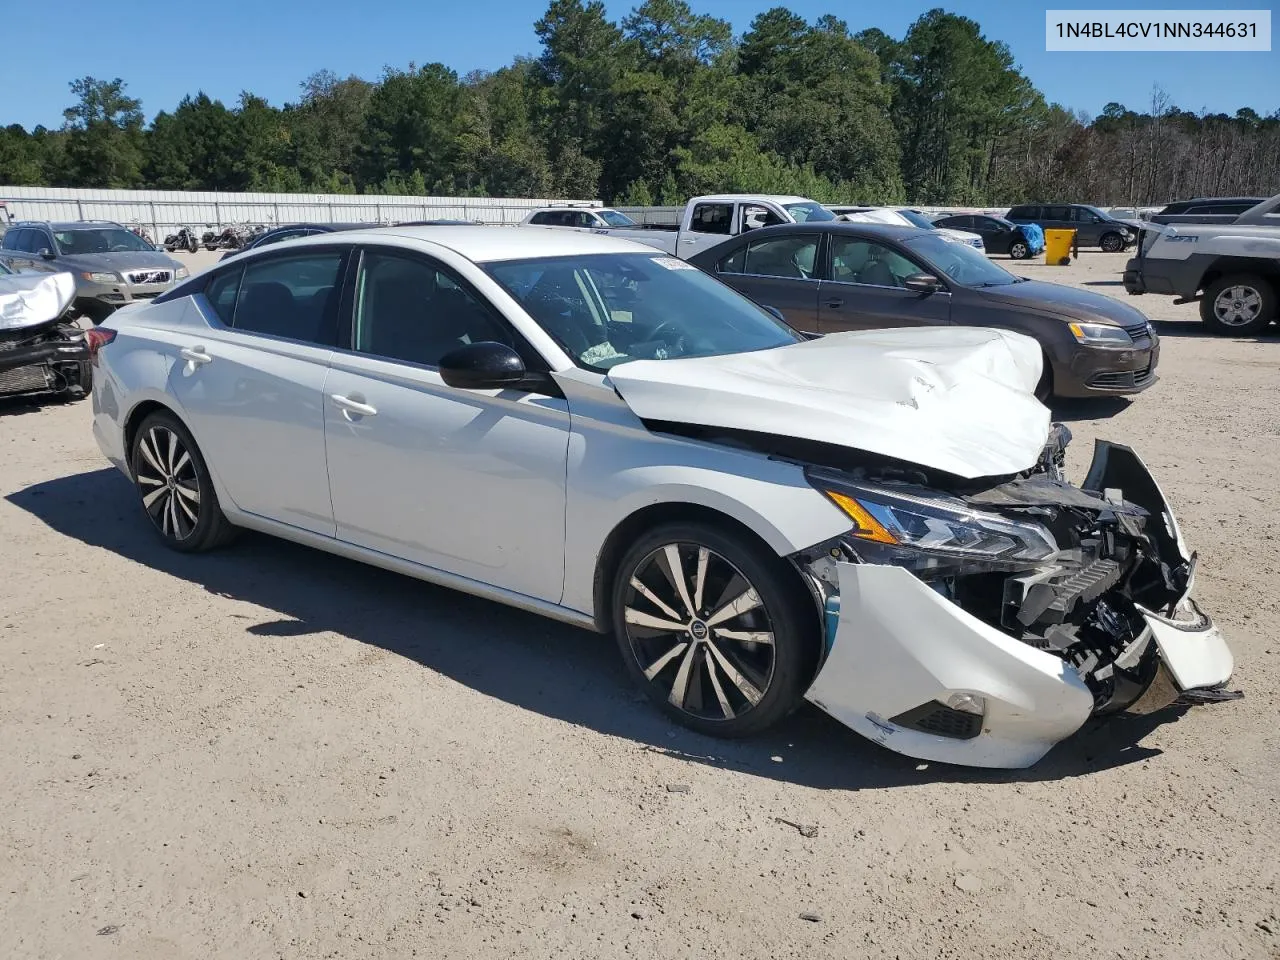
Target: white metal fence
163	211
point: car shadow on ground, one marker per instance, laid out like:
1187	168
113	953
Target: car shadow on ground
1070	409
1193	328
558	671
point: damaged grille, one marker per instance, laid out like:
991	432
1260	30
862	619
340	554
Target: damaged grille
148	276
25	379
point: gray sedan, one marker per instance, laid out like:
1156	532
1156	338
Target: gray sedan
831	277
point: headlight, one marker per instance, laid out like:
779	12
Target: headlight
1103	333
914	528
181	273
102	277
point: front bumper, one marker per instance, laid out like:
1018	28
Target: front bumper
90	294
912	670
1108	371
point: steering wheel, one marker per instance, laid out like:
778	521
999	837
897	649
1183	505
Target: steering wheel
657	333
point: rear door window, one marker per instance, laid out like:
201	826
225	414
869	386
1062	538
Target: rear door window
221	294
295	297
790	258
712	218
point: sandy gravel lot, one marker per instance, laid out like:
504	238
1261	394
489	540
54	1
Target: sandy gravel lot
269	752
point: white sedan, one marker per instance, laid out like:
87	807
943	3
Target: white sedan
586	428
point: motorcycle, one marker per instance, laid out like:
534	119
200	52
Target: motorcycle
184	239
141	232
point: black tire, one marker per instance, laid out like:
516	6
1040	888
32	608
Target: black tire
771	675
83	385
1238	305
178	488
1111	242
193	245
1019	249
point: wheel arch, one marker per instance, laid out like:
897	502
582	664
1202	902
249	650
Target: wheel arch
1269	269
133	421
631	526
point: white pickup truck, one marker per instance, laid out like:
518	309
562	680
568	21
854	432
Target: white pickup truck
706	221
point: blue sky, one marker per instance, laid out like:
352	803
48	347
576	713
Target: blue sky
165	49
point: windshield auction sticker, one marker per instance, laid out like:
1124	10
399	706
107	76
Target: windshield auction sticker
1152	30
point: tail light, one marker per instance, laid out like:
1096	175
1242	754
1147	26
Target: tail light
97	338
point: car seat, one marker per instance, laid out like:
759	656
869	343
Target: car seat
267	308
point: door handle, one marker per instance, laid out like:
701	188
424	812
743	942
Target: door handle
835	302
688	239
195	356
350	405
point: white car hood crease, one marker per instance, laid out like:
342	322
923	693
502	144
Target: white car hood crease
30	299
960	400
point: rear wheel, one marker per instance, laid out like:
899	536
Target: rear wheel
715	628
1238	305
175	487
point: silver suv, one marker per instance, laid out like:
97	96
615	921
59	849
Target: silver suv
112	266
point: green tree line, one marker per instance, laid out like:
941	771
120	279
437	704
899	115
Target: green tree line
664	104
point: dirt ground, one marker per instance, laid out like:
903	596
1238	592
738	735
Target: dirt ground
270	752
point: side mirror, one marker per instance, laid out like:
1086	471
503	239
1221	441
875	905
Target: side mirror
46	253
482	366
922	283
776	312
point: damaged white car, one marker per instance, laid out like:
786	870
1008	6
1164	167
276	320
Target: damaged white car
586	428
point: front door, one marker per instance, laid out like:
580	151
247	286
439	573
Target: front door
471	482
251	383
865	291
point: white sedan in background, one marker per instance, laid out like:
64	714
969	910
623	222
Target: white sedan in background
907	218
589	429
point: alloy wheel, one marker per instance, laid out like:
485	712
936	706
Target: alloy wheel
699	631
168	483
1018	251
1111	243
1237	306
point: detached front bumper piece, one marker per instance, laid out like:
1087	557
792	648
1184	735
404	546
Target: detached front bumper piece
901	646
910	668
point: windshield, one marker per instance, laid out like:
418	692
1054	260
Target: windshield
606	309
959	261
1099	214
99	240
918	219
615	219
808	211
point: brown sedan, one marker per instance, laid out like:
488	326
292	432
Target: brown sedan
830	277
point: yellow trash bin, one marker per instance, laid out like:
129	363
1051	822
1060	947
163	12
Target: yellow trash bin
1057	247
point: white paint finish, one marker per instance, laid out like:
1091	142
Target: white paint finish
29	299
955	399
256	411
466	481
885	662
1196	658
618	467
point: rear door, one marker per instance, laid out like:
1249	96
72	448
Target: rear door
250	384
865	288
778	271
709	223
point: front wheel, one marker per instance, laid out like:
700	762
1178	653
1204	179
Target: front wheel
716	629
175	487
1238	305
1018	250
1111	243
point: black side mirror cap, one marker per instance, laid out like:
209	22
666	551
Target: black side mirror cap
46	253
922	283
486	365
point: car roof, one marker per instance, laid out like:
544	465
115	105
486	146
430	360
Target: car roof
487	244
771	197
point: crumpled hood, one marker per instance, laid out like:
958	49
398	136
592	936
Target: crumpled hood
960	399
1070	303
30	299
